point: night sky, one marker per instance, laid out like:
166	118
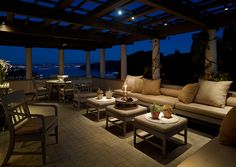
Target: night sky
16	55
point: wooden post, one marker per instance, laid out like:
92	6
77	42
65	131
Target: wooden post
123	62
61	61
28	70
102	63
88	74
155	59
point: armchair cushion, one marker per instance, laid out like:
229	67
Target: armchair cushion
228	127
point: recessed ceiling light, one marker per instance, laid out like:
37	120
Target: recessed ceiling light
226	8
64	44
120	12
132	18
165	24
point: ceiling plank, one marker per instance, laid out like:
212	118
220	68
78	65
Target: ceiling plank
179	9
60	15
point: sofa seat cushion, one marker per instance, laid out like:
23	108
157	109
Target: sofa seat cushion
159	99
202	109
213	154
170	92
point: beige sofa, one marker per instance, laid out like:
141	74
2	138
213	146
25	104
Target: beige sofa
213	154
169	95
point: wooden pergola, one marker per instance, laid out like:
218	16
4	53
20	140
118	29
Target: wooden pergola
92	24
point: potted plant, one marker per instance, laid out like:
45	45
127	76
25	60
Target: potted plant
167	110
155	110
99	93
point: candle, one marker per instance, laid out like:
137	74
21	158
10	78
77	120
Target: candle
125	86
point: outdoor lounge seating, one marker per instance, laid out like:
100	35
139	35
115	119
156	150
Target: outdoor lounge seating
24	126
169	95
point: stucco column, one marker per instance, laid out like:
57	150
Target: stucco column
123	67
155	59
102	63
28	69
61	61
211	54
88	74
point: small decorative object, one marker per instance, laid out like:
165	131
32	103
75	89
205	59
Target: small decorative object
167	111
4	68
99	93
155	110
109	94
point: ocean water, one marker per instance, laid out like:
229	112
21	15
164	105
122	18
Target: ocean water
72	71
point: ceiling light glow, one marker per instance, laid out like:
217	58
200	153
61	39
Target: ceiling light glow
120	12
132	18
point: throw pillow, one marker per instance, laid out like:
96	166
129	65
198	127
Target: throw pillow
188	93
138	85
130	81
151	87
212	93
227	133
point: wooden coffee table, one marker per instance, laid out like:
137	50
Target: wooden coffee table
95	105
160	129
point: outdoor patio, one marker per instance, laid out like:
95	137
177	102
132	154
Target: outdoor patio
84	142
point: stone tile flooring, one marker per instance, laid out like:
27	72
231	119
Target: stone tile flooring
84	142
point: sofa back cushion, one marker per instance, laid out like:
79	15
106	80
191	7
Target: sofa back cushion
188	93
170	92
130	81
227	133
212	93
151	87
138	85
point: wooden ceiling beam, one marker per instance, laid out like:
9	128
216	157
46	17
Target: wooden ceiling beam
58	33
183	11
73	18
56	42
65	3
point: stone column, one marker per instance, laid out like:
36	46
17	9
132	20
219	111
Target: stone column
88	74
211	54
155	59
28	69
61	61
123	67
102	63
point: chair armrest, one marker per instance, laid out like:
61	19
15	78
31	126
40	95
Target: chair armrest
45	105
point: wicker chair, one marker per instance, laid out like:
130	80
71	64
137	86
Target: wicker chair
24	126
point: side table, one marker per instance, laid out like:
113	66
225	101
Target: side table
163	131
123	115
95	105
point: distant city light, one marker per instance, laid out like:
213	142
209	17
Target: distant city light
132	18
120	12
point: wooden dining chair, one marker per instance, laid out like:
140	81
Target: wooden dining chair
24	126
40	90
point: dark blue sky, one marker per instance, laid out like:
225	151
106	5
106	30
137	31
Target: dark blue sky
16	55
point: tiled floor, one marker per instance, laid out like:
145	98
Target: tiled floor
84	142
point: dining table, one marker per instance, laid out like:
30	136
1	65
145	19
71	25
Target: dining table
56	85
